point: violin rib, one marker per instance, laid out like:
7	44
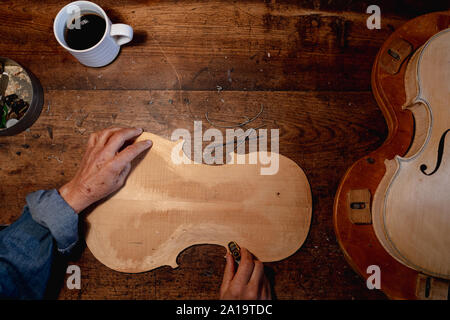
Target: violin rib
411	204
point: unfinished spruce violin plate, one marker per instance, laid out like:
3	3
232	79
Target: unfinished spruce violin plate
165	208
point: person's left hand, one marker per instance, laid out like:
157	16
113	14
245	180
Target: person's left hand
103	169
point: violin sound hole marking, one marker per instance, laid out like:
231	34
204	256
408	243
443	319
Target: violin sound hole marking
424	167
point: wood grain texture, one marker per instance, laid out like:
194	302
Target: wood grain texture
360	245
32	161
315	87
310	48
410	209
170	203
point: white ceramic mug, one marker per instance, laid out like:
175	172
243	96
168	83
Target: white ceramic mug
107	49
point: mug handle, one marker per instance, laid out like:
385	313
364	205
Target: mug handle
121	33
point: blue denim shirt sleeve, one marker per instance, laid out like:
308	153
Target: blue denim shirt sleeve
27	245
51	211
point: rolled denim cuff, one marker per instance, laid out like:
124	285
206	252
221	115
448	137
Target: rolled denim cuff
50	210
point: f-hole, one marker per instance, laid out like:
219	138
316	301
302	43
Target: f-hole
423	167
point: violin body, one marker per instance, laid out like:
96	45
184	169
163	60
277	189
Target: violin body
405	227
166	207
411	207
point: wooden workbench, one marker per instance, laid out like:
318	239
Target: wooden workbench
308	62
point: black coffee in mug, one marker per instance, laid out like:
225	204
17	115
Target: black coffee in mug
87	33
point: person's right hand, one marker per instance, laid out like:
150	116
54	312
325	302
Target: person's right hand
103	169
248	283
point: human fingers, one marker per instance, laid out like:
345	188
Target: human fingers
104	135
266	291
245	269
118	139
124	173
227	275
130	153
99	139
257	277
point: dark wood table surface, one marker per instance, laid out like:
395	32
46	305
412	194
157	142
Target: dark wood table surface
308	62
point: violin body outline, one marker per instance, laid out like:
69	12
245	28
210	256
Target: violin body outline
164	208
410	215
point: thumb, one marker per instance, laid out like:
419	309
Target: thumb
228	274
